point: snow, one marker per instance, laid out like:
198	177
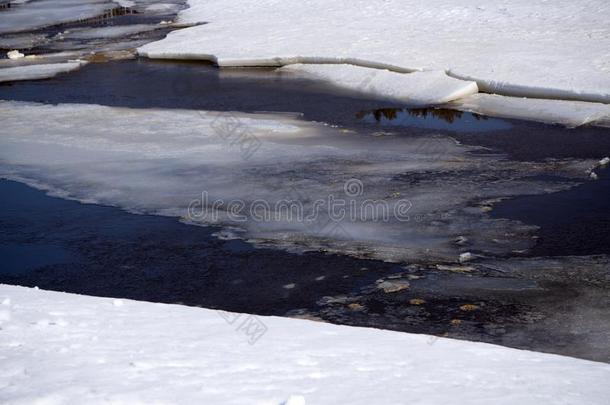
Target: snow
61	348
42	13
36	72
564	112
174	162
14	54
163	8
533	48
431	87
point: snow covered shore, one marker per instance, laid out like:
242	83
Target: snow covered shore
62	348
517	48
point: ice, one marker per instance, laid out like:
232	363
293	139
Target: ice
155	353
180	162
5	315
568	113
42	13
46	58
115	31
417	88
14	54
163	8
22	41
295	400
40	71
531	48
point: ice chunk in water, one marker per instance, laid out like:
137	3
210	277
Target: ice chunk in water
39	71
14	54
272	177
115	31
417	88
564	112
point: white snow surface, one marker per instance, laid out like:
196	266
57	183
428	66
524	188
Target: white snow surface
38	71
534	48
58	348
430	87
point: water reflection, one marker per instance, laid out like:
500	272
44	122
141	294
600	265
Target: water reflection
433	118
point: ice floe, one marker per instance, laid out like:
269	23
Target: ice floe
396	197
528	48
417	88
41	13
38	71
65	348
14	54
115	31
564	112
22	41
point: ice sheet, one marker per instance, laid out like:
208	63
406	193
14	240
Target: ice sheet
568	113
536	48
163	161
417	88
115	31
36	72
42	13
64	348
22	41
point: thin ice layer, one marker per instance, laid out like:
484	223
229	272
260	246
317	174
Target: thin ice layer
431	87
564	112
126	351
38	71
538	48
42	13
274	178
115	31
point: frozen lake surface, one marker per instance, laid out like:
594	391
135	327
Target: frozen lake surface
343	181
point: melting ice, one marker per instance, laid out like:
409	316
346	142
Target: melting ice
165	161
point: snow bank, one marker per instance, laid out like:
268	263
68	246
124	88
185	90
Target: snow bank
62	348
163	161
431	87
536	48
564	112
39	71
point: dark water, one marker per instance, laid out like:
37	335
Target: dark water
573	222
24	257
431	118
